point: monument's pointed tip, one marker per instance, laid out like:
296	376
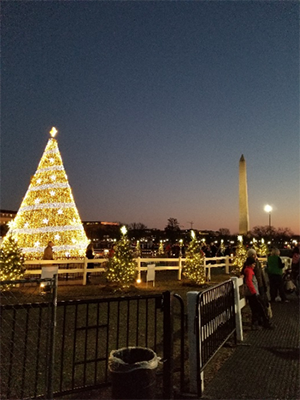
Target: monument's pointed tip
242	158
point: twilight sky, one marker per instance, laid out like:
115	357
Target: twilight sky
155	102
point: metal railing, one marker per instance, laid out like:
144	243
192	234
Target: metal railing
214	324
27	338
40	361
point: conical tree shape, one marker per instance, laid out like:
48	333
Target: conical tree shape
121	267
48	211
263	249
11	262
240	256
194	268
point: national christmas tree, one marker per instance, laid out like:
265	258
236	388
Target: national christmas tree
121	267
48	211
194	268
11	261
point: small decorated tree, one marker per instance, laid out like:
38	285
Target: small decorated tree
161	250
11	261
263	249
240	255
255	245
121	268
194	268
221	249
138	249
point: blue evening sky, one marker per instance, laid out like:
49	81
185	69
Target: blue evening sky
155	102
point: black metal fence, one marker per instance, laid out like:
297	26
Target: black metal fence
214	323
86	331
27	338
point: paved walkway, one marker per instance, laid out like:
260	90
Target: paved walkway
267	364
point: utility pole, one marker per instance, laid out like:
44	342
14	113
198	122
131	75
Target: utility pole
192	223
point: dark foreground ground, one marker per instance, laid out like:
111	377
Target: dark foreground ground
267	364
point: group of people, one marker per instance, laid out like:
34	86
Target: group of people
256	291
256	285
48	255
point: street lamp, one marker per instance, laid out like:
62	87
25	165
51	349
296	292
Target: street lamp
180	247
268	209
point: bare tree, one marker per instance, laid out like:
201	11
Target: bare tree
136	226
172	229
224	232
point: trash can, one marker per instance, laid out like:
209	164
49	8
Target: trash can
133	373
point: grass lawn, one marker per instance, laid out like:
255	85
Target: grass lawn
164	280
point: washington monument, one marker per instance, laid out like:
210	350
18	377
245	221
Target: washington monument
243	198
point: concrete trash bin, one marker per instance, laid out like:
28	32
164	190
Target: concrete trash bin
133	373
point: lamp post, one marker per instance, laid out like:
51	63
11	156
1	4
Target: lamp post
180	247
268	209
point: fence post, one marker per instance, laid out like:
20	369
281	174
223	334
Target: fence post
207	270
237	306
139	268
192	338
227	265
84	271
168	346
52	339
179	269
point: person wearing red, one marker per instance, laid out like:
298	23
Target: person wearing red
260	317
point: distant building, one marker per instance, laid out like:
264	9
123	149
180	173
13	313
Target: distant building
98	224
101	231
6	216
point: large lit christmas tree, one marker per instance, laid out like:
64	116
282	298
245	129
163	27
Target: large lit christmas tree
48	211
194	268
121	267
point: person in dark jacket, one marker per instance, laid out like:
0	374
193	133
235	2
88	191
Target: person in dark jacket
274	271
295	263
259	313
90	255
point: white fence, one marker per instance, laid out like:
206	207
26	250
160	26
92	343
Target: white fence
161	264
165	264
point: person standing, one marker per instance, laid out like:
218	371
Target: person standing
295	266
259	313
90	255
274	271
48	252
262	285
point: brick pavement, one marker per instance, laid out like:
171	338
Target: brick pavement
267	364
